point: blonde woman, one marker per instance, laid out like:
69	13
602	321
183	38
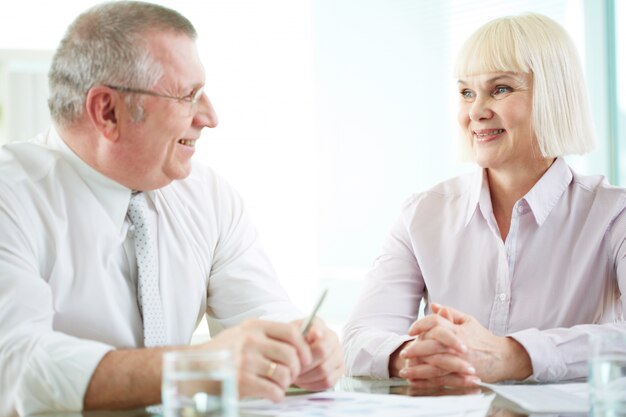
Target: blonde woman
518	263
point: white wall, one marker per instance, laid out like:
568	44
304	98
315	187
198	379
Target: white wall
23	93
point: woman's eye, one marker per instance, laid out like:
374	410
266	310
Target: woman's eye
467	94
502	89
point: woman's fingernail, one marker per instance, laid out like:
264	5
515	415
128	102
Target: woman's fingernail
474	380
402	372
463	348
470	370
403	353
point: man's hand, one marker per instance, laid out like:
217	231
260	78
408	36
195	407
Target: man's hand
327	364
454	349
269	356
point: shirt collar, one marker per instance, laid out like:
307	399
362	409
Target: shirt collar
113	196
477	198
541	198
546	193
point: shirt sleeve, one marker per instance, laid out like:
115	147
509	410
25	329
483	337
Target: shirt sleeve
243	283
40	369
562	353
377	327
57	373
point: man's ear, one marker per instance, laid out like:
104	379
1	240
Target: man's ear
103	106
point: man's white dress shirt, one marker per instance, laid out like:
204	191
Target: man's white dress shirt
558	278
68	273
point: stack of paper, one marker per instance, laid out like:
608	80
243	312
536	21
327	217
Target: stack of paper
551	398
351	404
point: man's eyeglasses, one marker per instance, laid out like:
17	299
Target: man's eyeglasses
191	99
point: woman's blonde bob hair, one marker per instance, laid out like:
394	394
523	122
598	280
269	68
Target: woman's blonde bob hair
537	45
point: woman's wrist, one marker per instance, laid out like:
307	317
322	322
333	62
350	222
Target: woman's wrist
396	363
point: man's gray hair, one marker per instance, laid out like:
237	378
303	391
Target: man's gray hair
108	44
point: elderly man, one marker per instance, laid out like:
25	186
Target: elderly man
114	244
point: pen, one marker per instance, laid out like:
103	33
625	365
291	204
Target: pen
306	325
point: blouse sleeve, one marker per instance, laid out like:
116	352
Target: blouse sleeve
387	306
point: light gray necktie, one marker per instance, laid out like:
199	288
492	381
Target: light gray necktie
148	293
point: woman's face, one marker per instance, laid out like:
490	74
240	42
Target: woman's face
495	114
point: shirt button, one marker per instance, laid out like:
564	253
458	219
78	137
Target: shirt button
520	209
502	297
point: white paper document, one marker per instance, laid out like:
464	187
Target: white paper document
353	404
546	398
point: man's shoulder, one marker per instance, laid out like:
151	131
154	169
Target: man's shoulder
26	161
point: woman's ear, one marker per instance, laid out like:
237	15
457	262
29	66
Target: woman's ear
103	107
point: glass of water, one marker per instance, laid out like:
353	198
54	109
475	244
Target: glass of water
199	383
607	375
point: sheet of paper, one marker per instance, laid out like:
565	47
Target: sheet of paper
352	404
546	398
369	385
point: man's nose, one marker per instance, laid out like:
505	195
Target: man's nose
205	115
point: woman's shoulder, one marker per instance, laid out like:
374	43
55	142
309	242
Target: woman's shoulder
597	185
595	192
446	192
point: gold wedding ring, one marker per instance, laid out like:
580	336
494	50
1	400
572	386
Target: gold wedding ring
270	370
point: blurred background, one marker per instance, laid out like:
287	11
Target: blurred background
332	112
